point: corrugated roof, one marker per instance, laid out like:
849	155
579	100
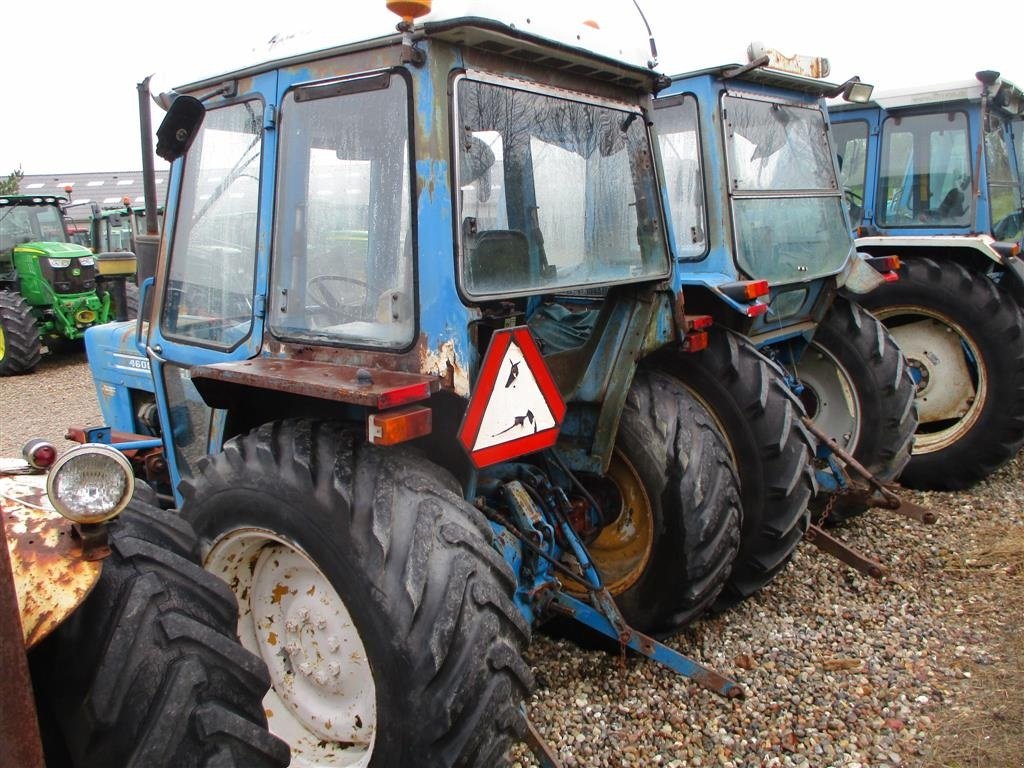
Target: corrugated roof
105	188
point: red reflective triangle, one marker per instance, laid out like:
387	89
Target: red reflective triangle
515	408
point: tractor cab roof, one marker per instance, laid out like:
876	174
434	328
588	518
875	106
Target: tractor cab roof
486	34
47	200
1004	94
764	76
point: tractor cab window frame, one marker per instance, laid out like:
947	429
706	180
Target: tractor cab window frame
1004	184
851	142
926	171
211	275
1017	137
789	221
682	163
343	268
554	191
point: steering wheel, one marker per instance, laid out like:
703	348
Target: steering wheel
326	299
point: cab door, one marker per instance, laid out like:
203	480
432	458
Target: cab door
211	294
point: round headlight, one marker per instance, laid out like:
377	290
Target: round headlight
90	483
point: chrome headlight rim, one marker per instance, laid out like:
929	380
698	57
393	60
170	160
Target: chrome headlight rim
90	449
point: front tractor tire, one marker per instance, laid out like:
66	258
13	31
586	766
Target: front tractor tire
666	556
371	589
760	418
20	347
858	390
148	671
964	338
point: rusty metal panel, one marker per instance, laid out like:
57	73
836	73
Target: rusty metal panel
50	577
327	381
19	728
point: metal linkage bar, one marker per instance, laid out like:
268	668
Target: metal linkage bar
880	494
833	546
649	647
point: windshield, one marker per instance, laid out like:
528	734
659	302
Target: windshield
554	193
1003	183
925	178
786	203
343	250
29	224
210	290
679	142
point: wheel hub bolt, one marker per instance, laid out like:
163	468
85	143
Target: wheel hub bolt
291	625
292	648
333	669
333	644
306	668
321	622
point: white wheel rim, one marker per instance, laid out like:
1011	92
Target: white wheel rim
830	398
948	390
323	700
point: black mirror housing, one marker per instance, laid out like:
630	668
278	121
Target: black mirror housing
179	127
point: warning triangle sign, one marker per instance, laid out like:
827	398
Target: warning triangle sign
515	408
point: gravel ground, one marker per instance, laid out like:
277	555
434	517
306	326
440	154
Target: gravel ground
839	669
45	403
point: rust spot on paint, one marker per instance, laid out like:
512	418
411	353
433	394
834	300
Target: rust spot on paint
279	591
50	576
272	638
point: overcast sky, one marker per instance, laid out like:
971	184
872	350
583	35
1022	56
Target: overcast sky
69	99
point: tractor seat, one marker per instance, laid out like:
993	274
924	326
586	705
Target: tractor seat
499	259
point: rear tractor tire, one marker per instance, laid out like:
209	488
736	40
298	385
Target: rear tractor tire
148	670
858	390
667	553
964	337
20	347
772	450
373	592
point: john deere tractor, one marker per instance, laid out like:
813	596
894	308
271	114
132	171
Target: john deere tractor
51	290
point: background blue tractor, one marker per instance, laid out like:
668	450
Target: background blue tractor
763	246
933	175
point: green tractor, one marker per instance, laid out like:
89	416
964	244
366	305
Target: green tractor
51	289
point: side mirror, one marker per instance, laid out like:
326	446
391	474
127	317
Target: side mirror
179	127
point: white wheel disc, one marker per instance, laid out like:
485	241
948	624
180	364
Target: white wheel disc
323	699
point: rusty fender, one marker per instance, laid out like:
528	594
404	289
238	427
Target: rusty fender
51	577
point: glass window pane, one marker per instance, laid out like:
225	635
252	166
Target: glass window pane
679	142
212	272
781	239
777	146
1003	186
554	193
343	248
926	171
851	153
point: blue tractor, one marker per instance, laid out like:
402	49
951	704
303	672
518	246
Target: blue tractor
406	375
763	246
932	175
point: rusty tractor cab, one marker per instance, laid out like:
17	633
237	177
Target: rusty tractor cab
114	643
933	175
404	315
